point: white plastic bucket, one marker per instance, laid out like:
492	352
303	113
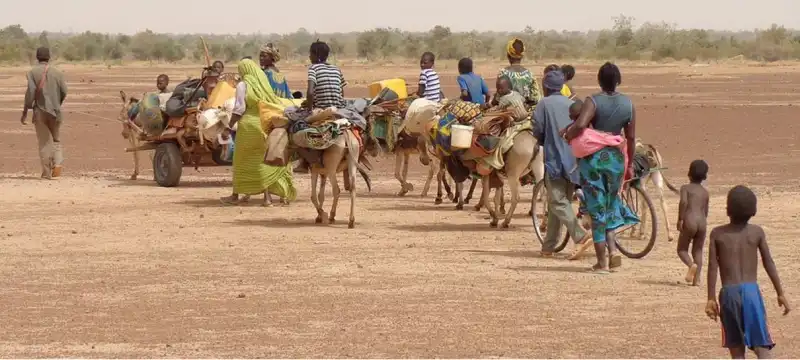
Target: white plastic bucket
461	136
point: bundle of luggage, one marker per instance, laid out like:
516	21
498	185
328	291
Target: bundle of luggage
493	133
155	110
388	119
148	113
309	131
160	114
487	127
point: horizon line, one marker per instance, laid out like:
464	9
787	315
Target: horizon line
500	32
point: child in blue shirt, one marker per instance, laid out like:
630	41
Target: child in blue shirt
473	87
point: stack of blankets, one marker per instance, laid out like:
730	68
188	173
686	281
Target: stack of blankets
493	135
309	131
318	129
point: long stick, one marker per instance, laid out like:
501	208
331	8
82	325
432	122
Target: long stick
205	49
204	74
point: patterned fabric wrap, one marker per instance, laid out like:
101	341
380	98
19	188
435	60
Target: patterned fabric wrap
149	116
441	134
523	83
514	54
463	111
601	181
317	137
278	83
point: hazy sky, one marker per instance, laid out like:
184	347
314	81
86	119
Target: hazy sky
281	16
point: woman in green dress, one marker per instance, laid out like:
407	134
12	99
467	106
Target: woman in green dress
250	175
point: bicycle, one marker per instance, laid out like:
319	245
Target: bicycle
632	195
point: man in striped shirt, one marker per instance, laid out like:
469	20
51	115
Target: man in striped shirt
429	86
325	86
325	81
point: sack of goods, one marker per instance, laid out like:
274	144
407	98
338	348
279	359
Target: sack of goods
421	112
149	116
186	95
212	122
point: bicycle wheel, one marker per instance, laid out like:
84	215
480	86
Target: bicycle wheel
539	209
637	241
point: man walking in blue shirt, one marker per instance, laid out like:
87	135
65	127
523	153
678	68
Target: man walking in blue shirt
550	117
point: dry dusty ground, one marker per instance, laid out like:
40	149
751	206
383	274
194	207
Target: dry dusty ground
94	265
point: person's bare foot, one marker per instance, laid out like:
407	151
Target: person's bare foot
56	171
690	274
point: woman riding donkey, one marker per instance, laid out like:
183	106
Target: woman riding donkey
522	80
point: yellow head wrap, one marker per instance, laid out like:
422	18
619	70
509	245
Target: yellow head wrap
513	53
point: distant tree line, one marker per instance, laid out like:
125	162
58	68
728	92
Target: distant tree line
624	40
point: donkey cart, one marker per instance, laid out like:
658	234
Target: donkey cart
191	139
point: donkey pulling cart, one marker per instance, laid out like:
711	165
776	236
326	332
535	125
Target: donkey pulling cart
185	128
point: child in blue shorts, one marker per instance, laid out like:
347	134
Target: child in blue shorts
734	253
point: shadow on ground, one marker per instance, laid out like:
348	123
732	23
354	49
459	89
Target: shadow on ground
438	227
668	283
293	223
189	184
562	268
507	253
416	206
255	201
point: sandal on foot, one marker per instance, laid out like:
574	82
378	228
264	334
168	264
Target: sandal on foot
691	273
614	261
546	254
580	249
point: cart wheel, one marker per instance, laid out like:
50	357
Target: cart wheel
216	155
167	164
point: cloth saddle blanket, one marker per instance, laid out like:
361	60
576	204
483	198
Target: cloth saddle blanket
320	137
314	155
